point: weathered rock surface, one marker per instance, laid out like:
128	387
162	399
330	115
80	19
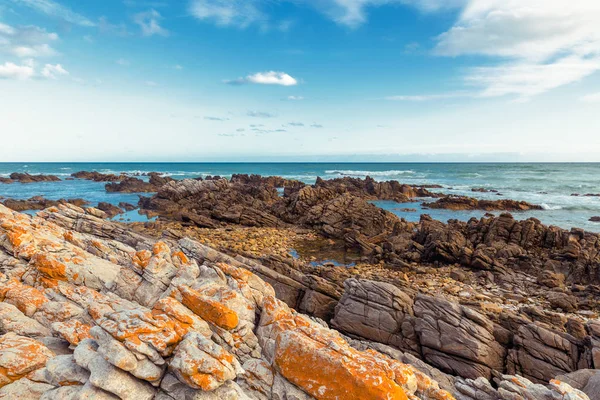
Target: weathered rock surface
131	184
39	203
27	178
469	203
123	317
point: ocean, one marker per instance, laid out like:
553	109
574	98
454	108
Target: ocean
550	185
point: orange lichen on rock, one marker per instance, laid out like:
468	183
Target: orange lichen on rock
49	267
26	298
323	364
142	258
139	329
203	364
326	374
72	331
20	356
208	309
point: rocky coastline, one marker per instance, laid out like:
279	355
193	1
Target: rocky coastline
207	302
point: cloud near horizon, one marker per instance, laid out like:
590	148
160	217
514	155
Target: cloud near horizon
265	78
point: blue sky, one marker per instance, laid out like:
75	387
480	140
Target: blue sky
299	79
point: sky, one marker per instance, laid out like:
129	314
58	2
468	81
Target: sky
295	80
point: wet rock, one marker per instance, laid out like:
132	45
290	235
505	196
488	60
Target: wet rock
469	203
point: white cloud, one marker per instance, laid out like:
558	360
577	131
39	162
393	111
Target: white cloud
239	13
266	78
429	97
123	62
178	67
27	41
295	98
53	71
149	22
53	9
591	98
9	70
352	13
542	44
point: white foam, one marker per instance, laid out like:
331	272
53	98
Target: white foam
369	173
549	207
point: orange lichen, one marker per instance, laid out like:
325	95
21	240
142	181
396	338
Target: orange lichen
26	298
142	258
209	309
20	356
182	257
49	268
73	331
327	375
160	248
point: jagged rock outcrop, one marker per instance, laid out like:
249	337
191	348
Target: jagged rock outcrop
469	203
39	203
130	184
28	178
370	189
124	317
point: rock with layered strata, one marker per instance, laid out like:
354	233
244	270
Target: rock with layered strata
202	328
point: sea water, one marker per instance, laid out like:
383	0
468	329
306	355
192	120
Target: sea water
550	185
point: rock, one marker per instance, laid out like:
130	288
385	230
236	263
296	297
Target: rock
40	203
376	311
127	206
131	185
110	209
98	177
469	203
457	339
27	178
20	356
595	219
202	364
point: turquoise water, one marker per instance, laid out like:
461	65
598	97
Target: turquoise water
549	185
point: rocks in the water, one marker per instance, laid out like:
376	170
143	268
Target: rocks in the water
595	219
469	203
370	189
483	190
98	176
130	184
110	209
28	178
39	203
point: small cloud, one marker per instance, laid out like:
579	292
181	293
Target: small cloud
430	97
9	70
123	62
295	124
285	26
295	98
88	38
411	47
256	125
53	71
591	98
105	27
240	130
208	118
151	83
149	22
260	114
265	78
178	67
316	126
